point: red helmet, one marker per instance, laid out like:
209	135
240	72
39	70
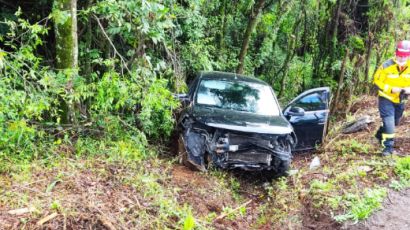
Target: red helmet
403	49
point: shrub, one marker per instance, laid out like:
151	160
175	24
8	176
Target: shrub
156	114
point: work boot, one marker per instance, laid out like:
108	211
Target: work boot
387	151
388	143
378	134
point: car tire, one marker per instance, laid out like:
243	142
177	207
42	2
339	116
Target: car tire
283	168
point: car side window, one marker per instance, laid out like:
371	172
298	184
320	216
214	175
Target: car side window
312	102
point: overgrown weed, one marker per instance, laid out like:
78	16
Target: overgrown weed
402	170
360	206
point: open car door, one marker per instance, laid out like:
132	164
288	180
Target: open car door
308	113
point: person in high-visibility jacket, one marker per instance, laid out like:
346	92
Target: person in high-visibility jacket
392	79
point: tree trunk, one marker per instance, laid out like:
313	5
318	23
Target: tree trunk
253	18
381	52
289	56
321	53
332	48
66	34
334	32
341	79
357	88
88	39
221	34
368	53
304	43
67	50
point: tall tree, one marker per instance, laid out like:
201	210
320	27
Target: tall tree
65	19
253	18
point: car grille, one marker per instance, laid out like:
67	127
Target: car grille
250	157
235	139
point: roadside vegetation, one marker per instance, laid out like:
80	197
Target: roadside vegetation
87	111
118	182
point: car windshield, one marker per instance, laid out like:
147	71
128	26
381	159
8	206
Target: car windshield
237	95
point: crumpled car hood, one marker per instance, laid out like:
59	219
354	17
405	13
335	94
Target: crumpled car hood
241	121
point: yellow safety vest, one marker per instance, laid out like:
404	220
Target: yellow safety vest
388	75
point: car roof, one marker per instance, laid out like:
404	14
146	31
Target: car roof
229	76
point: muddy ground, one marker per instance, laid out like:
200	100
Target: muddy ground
100	197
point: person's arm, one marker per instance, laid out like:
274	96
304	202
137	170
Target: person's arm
379	79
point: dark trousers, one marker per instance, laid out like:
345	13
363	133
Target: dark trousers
390	113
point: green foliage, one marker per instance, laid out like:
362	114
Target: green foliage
32	98
17	135
281	184
356	43
131	52
156	113
23	98
293	40
198	46
148	18
131	149
402	168
321	186
113	93
60	17
352	147
189	222
360	207
399	184
56	206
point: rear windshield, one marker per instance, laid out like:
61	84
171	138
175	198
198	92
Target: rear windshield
238	96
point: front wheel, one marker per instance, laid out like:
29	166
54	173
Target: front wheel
282	168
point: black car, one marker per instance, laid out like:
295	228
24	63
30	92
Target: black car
234	121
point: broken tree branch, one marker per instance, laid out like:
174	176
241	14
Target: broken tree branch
21	211
223	215
341	79
105	220
46	219
331	141
106	223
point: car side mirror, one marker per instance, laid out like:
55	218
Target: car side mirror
296	111
183	98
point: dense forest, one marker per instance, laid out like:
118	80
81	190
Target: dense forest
97	77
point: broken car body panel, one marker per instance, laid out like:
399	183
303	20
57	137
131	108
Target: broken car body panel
234	121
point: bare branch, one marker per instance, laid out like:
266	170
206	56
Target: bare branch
112	44
223	215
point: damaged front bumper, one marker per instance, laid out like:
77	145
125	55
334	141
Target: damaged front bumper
231	149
